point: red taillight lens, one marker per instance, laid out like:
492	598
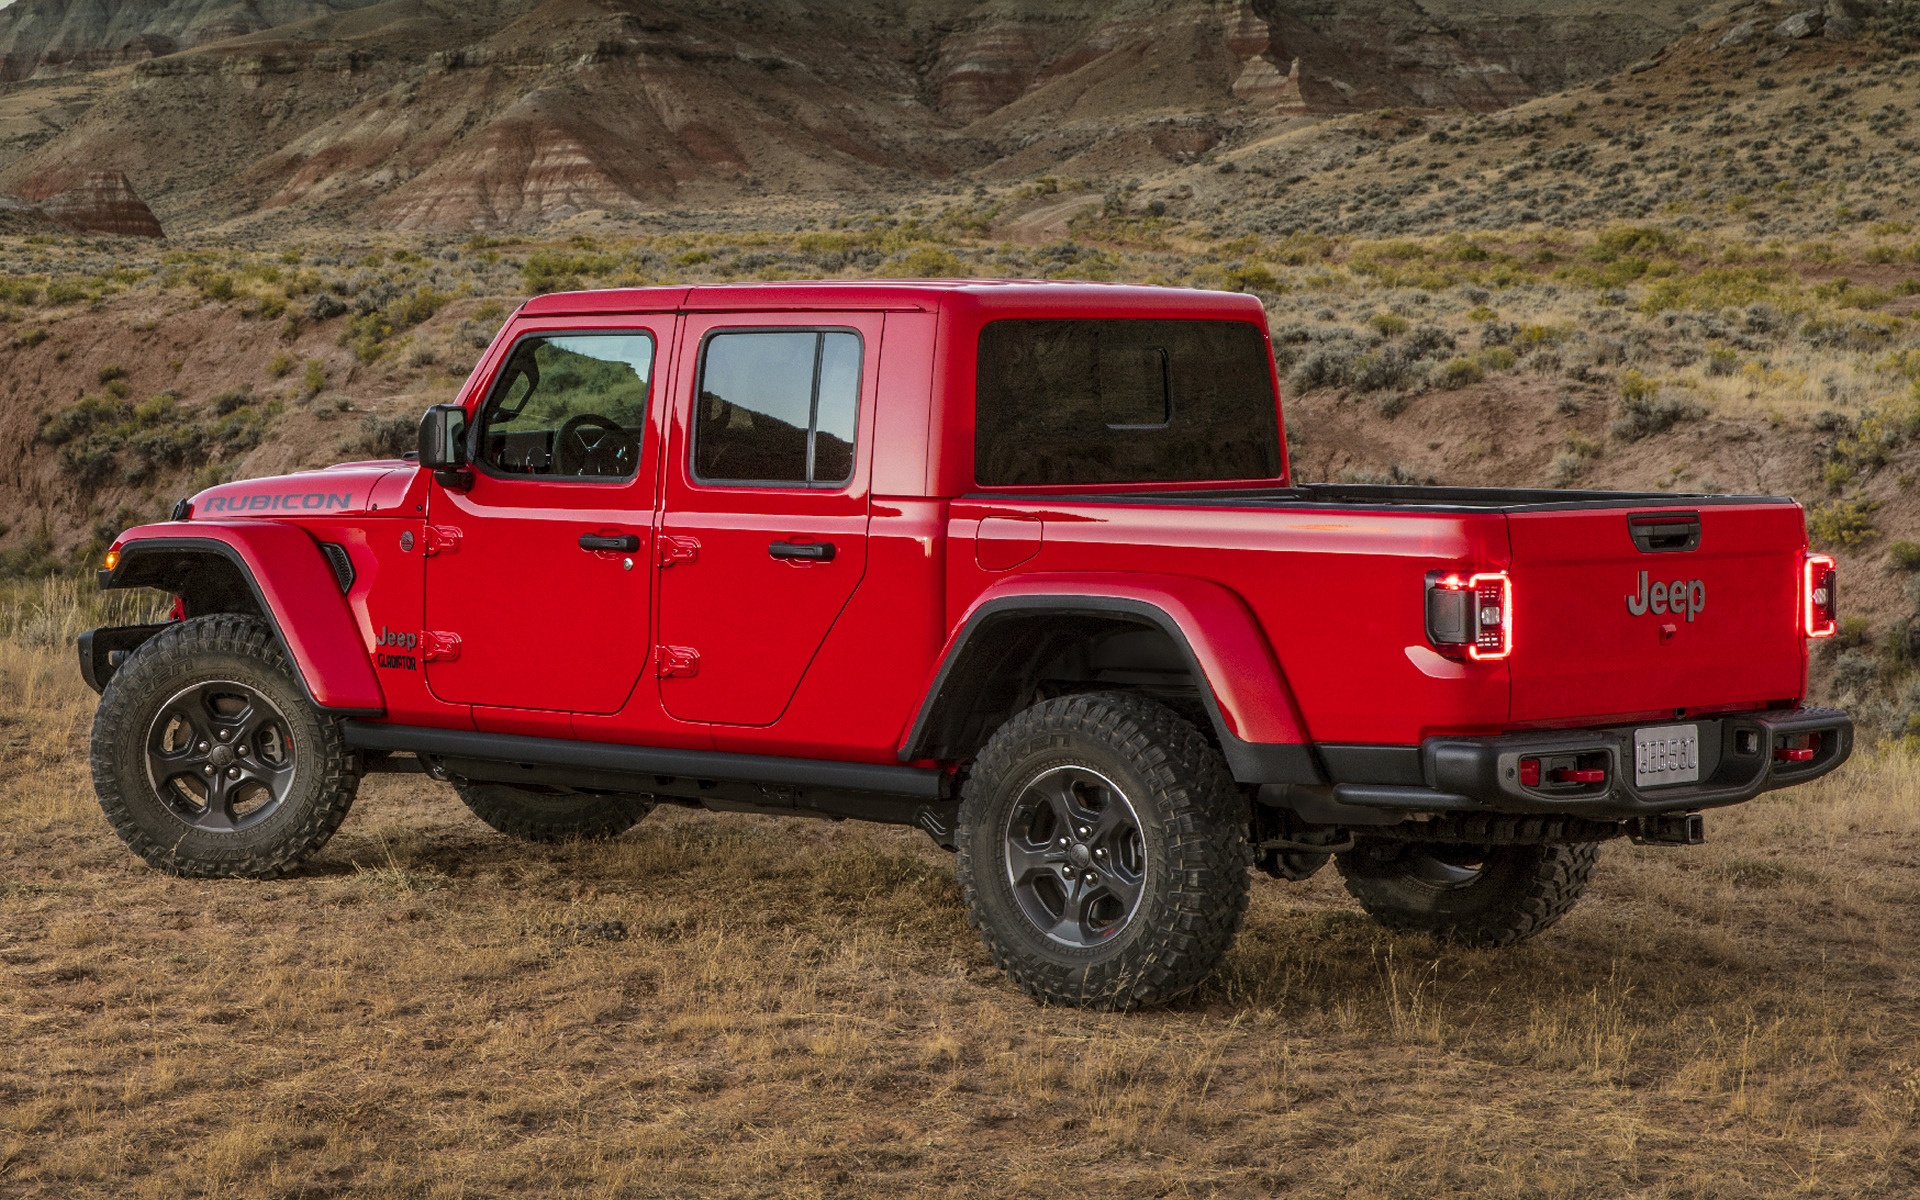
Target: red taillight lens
1473	613
1530	772
1820	596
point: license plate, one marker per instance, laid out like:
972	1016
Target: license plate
1666	754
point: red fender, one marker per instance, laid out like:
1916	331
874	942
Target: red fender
292	584
1250	699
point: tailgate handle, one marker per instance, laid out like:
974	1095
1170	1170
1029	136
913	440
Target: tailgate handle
1665	532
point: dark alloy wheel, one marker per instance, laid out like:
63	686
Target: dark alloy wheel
220	756
1102	852
210	760
1473	895
1075	857
552	815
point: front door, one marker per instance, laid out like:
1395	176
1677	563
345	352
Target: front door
764	529
536	588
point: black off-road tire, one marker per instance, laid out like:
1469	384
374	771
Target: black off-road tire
200	657
1189	851
1503	895
536	816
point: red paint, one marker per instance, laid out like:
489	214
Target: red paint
1307	620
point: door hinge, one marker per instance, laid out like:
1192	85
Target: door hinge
671	661
436	646
439	539
675	548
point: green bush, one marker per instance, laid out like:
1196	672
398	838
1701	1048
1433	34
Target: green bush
1842	524
1904	555
1388	324
1460	372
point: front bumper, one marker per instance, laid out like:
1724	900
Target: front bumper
1482	775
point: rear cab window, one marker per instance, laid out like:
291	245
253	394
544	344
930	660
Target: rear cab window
1124	401
777	407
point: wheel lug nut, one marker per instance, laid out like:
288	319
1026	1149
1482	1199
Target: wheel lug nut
233	772
1087	878
208	770
203	747
1084	831
1063	843
225	734
1101	853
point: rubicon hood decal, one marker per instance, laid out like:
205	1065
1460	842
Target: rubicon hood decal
310	493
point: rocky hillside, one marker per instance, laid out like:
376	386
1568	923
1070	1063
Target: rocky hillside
506	113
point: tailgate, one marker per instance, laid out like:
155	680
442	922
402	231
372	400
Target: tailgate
1590	639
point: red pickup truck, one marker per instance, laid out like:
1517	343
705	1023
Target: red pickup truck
1018	563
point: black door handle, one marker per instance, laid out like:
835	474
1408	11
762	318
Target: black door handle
626	542
811	551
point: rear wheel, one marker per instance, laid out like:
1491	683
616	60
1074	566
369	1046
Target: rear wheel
533	815
1102	852
1474	895
210	761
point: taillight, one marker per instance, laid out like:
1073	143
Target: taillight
1471	613
1819	596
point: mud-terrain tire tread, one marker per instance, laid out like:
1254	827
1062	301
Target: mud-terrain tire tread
1186	928
159	662
510	810
1542	884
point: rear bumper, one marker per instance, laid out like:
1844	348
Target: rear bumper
1482	775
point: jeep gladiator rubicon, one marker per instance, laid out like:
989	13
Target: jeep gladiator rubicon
1018	563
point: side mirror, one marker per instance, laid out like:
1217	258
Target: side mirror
443	445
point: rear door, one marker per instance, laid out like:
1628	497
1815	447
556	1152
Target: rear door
539	572
1628	611
763	535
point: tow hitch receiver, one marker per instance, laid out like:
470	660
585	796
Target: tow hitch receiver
1668	829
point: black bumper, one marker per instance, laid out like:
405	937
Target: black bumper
1738	761
103	650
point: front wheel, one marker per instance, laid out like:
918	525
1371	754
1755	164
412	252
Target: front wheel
1473	895
210	761
1102	852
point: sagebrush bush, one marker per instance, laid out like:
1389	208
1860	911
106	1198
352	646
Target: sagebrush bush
1640	415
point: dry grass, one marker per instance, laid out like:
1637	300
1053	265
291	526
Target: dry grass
728	1006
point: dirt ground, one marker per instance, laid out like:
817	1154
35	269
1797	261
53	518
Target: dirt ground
734	1006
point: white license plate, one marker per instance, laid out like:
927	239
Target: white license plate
1666	754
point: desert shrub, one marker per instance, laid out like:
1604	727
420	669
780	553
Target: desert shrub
1565	470
231	400
1722	360
388	436
1639	415
112	372
325	306
934	262
1459	373
1388	367
1388	324
1429	340
1328	364
314	377
1842	524
1904	555
65	291
280	364
1537	336
1252	277
1499	333
1497	358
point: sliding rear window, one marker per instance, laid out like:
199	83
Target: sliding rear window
1123	401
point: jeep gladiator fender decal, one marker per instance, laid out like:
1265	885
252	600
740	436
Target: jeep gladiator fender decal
1259	726
292	583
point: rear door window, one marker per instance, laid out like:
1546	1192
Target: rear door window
569	405
777	407
1123	401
